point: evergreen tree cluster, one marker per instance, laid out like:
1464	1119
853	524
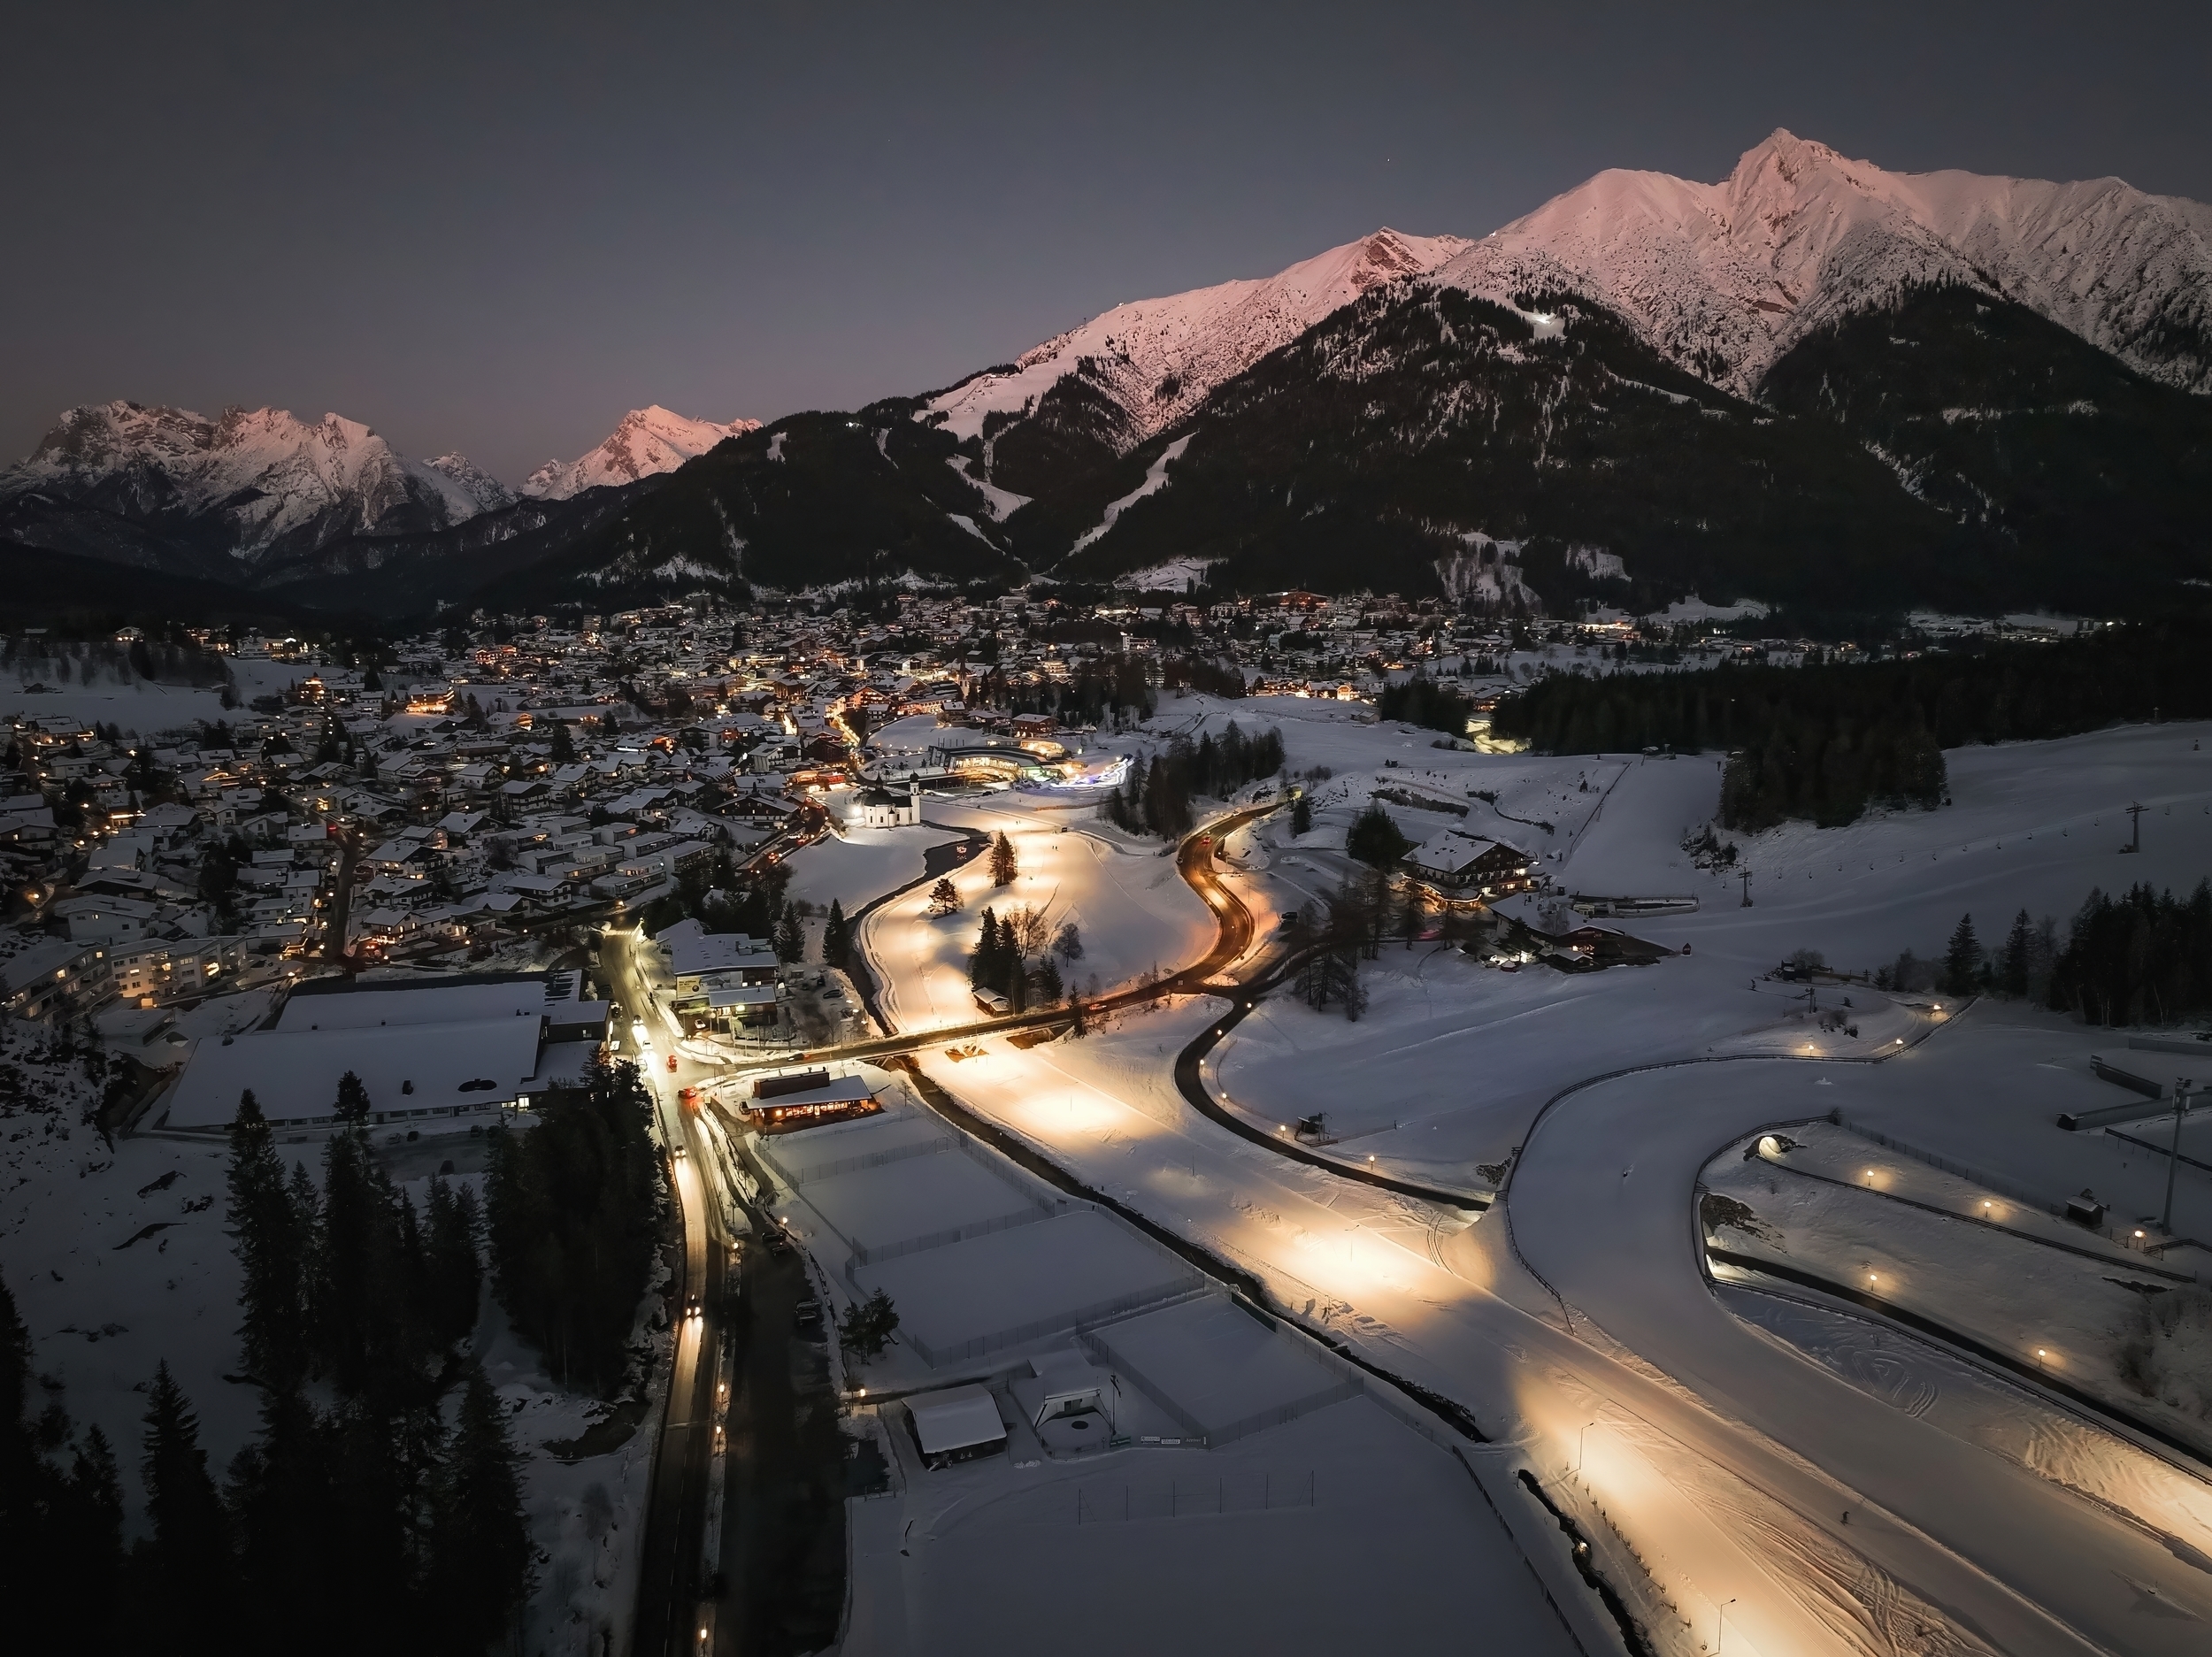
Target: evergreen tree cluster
349	1283
571	1209
1015	956
391	1518
1203	673
1330	945
1427	702
1375	839
1823	742
1105	690
1155	797
2140	958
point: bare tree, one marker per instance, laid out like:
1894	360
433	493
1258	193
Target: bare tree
1029	929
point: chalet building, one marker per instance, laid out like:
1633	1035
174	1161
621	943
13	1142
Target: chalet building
1455	863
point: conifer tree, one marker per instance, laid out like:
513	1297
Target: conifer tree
2018	958
836	935
280	1498
570	1215
479	1545
61	1538
944	898
1374	838
184	1569
1302	814
271	1250
455	1271
788	936
1961	959
353	1099
1004	866
359	1294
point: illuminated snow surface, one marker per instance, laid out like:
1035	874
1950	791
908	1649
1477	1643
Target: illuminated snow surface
1719	1441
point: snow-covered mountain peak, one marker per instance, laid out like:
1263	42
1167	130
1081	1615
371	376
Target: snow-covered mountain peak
645	442
475	484
1157	358
1725	277
251	480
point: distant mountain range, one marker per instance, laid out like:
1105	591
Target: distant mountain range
1816	382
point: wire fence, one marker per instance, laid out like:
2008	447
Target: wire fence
1192	1497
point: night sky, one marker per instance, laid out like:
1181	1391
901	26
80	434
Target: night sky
495	232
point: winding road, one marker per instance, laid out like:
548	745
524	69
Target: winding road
1600	1212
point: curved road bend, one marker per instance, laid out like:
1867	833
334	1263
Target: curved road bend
2102	1583
2013	1555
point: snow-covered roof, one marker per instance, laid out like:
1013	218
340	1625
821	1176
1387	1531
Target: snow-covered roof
843	1090
958	1418
1449	852
444	1000
693	953
294	1074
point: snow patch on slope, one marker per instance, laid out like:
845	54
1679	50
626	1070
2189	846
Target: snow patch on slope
1002	504
1155	481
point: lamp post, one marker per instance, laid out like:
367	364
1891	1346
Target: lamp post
2173	1157
1720	1634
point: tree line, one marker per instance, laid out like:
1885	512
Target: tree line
1427	702
1824	742
1155	796
2137	957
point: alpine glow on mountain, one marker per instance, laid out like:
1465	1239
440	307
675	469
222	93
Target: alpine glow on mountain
248	485
1723	278
1137	368
646	441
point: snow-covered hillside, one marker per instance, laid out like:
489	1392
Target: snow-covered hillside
251	481
1157	358
646	442
1725	277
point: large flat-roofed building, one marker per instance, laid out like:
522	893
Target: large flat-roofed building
357	1003
422	1048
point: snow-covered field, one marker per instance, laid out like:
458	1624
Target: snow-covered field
1718	1460
1135	912
860	865
139	706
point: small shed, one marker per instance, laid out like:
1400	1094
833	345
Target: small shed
1069	1400
960	1424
